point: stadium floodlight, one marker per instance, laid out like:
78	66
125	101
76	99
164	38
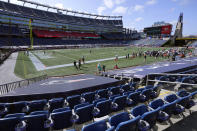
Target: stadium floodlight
77	12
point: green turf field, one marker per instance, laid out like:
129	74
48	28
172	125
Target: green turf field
24	67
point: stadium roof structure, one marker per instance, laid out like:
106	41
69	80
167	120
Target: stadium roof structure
95	16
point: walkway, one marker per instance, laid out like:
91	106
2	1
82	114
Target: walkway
7	70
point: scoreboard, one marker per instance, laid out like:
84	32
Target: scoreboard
158	31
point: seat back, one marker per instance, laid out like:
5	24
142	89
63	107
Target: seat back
147	93
156	103
9	124
135	97
126	88
150	117
36	122
16	107
130	125
73	100
118	118
139	110
121	101
37	105
56	103
85	113
62	119
104	107
89	96
182	93
103	93
115	90
171	98
96	126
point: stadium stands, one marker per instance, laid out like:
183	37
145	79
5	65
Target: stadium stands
59	19
61	113
148	42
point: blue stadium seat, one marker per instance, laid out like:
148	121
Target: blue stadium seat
37	122
56	103
115	90
135	97
88	96
37	105
139	110
62	119
127	88
150	117
183	93
121	102
130	125
17	107
163	109
84	113
180	102
149	93
73	100
9	124
103	93
97	126
104	108
147	115
118	118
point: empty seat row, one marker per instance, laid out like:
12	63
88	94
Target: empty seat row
144	117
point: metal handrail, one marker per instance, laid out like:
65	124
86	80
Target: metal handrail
6	88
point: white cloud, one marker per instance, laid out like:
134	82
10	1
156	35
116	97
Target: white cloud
101	9
139	8
182	2
59	5
138	19
109	3
120	10
151	2
119	1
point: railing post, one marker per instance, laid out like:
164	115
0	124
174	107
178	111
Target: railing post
147	80
7	88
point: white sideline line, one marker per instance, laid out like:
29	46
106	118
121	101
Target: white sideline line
40	66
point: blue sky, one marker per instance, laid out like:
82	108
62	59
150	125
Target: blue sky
136	13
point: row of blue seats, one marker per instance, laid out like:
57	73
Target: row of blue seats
144	117
4	41
125	92
71	101
182	79
65	117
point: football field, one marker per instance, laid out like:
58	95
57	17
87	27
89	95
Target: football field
60	62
